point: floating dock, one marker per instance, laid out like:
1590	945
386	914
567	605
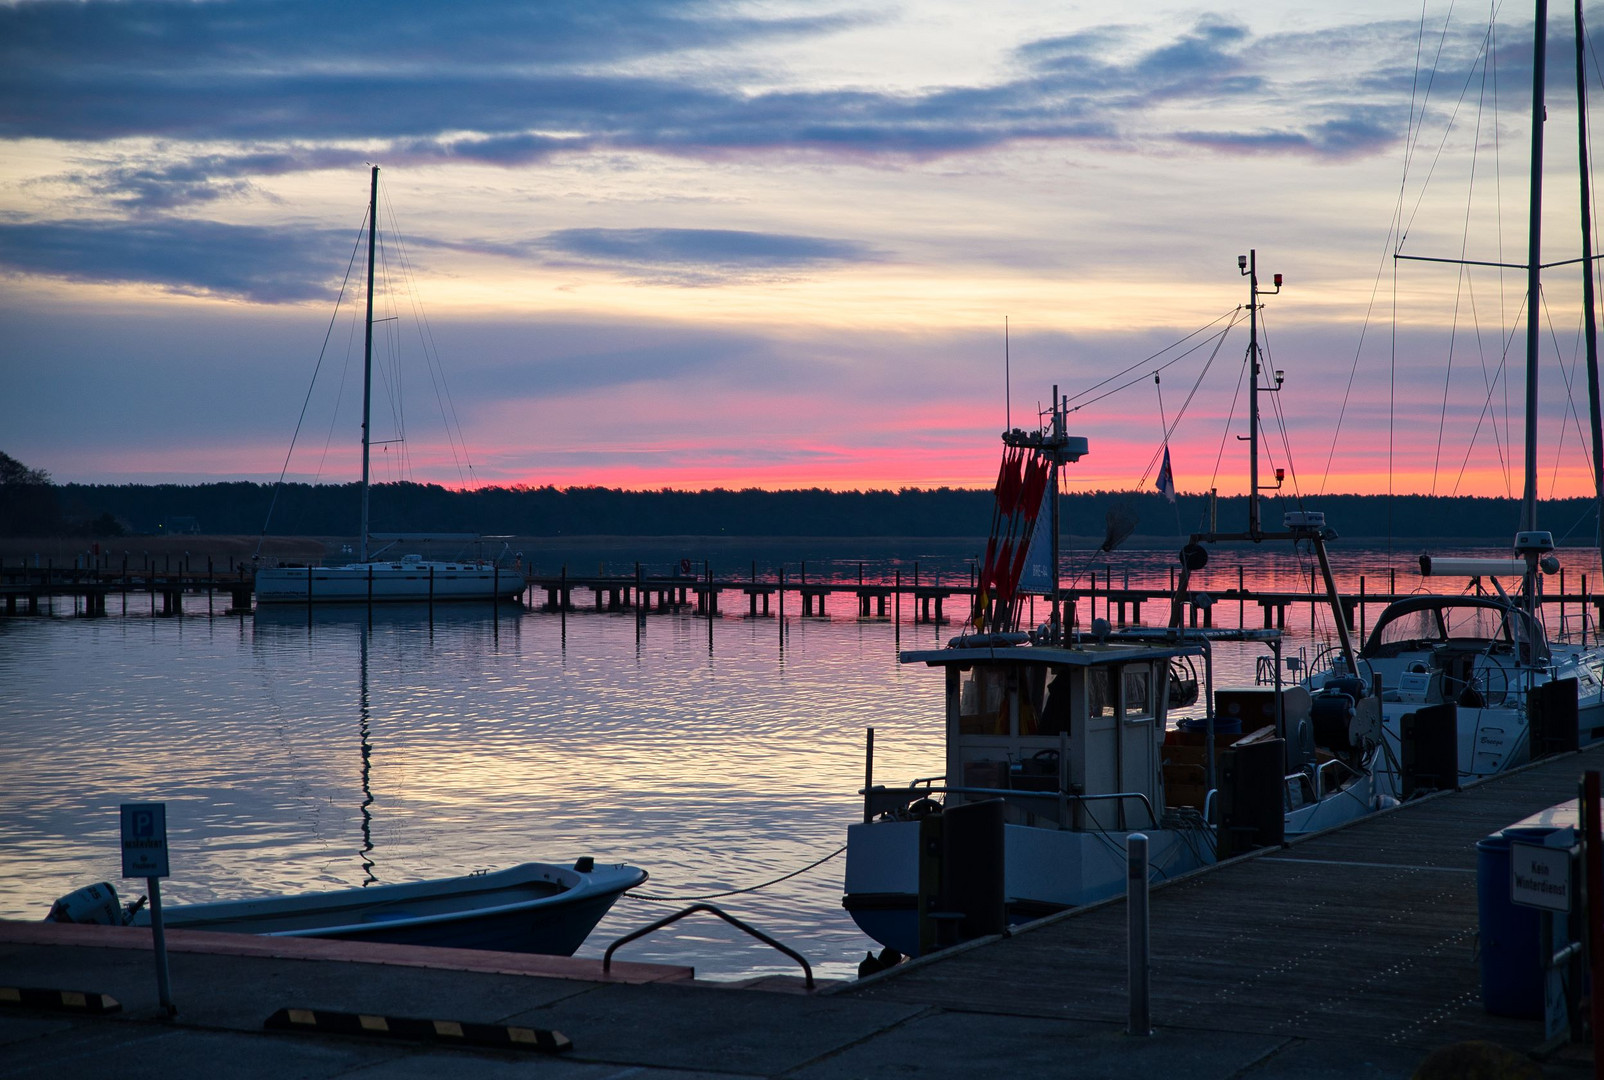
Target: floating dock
1346	954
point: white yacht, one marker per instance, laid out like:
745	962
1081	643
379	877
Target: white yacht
409	578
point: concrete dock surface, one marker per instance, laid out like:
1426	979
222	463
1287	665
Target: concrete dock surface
1348	954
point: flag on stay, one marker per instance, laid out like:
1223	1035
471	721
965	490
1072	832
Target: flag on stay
1037	574
1166	478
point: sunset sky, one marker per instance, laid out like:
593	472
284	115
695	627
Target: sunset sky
669	244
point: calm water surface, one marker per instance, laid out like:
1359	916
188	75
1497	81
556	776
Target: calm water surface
296	757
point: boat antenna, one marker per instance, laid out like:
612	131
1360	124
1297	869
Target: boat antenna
1248	265
1590	326
1008	403
367	357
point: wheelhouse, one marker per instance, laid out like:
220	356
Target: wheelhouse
1082	726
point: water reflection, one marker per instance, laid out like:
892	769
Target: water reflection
367	770
716	753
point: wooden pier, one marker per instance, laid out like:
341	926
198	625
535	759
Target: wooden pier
937	602
1354	945
158	587
27	588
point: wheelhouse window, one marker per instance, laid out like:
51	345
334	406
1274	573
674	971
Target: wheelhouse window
982	701
1057	704
1137	701
1099	693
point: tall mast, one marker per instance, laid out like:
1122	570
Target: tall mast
1590	325
1252	272
367	356
1534	246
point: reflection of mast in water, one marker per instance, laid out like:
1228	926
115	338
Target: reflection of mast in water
367	769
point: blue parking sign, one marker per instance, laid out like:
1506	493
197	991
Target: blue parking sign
144	840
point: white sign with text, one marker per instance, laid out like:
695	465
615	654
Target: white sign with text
1540	876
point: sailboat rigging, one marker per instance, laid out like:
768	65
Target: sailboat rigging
1477	675
410	578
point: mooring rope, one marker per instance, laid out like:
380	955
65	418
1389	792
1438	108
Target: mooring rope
737	892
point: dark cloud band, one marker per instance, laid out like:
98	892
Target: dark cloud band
728	248
202	257
530	80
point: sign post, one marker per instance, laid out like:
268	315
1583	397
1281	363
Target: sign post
144	830
1541	877
1593	893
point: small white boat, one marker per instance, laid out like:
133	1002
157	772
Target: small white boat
531	908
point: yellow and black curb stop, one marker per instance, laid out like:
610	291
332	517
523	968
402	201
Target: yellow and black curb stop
80	1001
494	1036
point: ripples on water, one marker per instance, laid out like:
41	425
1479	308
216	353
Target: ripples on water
298	757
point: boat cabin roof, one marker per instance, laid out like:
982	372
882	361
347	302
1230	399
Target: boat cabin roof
1195	633
1086	654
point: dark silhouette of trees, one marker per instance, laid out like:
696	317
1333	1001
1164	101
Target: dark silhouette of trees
28	504
333	510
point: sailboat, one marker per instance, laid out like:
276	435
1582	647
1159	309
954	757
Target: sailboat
1472	683
410	577
1331	731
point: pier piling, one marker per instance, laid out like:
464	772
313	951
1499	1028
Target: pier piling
1139	929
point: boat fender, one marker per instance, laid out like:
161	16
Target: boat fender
96	904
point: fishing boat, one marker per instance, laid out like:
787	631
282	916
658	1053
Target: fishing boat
1059	746
1474	684
531	908
410	577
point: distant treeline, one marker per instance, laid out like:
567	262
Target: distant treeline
32	508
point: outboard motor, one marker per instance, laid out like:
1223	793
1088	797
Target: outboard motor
1345	718
1333	712
95	904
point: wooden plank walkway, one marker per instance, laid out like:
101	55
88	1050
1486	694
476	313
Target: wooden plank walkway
1366	936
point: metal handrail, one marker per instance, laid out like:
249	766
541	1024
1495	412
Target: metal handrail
607	957
1302	778
1324	765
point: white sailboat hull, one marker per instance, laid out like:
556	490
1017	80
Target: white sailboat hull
387	582
1491	740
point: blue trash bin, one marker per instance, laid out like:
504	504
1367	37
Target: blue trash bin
1511	952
